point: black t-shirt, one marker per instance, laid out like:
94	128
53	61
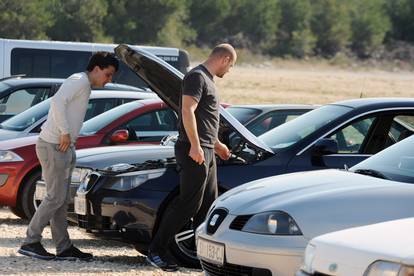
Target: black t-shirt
199	84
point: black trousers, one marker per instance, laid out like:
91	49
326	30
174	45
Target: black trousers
198	190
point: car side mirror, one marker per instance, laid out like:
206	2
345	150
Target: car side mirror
119	136
325	146
3	108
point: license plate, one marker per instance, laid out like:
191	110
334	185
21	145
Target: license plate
40	192
210	251
80	205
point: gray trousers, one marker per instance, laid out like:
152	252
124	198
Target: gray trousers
57	169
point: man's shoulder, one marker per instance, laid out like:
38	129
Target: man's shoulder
80	77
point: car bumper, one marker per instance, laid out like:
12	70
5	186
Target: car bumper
280	255
10	178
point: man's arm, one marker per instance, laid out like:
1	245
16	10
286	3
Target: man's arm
189	105
221	150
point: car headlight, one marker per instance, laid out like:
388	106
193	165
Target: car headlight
380	268
9	156
272	223
308	258
79	174
131	180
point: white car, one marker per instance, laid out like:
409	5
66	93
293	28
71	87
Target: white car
264	226
385	248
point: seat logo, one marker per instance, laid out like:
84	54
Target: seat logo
214	219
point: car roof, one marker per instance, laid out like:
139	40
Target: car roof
269	107
385	102
14	81
103	94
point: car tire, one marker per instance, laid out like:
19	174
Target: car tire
26	201
184	252
18	212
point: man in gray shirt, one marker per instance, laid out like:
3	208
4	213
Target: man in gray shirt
55	150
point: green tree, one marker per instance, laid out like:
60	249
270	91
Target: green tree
401	13
330	24
162	22
78	20
256	21
24	19
207	18
369	24
294	36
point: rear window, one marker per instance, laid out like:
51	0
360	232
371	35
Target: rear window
243	114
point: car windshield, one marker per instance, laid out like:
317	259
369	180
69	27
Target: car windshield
95	124
298	129
243	114
395	163
27	118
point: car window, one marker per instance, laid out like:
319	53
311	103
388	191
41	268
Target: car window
27	118
98	122
351	137
23	99
296	130
152	126
99	106
272	120
401	128
243	114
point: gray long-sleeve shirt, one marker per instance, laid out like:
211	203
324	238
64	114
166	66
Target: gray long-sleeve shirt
67	109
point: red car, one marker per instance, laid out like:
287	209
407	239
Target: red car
145	121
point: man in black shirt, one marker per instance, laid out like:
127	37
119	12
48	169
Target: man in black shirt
195	152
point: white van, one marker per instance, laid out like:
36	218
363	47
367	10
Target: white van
59	59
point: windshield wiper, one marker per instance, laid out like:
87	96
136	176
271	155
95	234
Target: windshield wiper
371	172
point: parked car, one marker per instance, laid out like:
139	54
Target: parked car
136	122
130	211
379	249
30	121
18	94
265	225
261	118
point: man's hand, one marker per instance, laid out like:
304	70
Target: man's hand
64	142
221	150
197	154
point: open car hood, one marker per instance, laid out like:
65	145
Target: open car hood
166	81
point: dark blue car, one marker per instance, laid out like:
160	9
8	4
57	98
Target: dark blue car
126	201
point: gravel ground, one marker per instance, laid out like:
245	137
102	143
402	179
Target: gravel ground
110	258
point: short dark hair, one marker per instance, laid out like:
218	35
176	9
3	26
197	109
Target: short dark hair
103	60
222	50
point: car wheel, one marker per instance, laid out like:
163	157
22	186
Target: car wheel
18	212
184	249
27	194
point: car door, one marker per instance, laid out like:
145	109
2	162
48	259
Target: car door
152	126
358	140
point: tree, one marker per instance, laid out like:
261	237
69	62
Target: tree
162	22
24	19
330	24
369	24
207	18
401	13
78	20
294	36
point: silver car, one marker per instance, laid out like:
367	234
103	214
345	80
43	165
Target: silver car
265	225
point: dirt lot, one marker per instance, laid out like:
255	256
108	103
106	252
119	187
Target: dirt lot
310	85
111	258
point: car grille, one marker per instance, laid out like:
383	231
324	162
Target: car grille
233	270
239	222
215	219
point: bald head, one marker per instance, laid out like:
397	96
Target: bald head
223	50
221	59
